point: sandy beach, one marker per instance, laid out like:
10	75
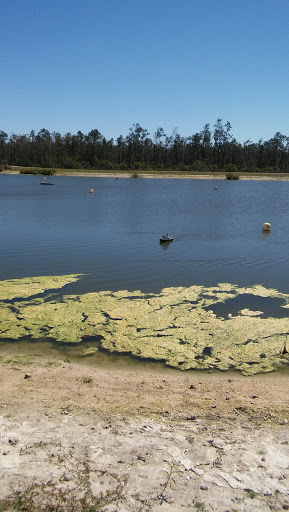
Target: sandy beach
124	440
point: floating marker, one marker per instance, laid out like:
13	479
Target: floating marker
266	226
91	190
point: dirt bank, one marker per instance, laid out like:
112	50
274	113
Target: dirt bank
142	441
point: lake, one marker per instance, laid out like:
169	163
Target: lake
112	236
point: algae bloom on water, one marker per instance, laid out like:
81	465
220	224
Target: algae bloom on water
181	326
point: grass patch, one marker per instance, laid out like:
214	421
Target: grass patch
87	380
200	506
252	494
20	360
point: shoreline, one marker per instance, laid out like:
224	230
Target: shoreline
147	391
132	441
144	175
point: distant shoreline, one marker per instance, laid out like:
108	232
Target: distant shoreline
161	175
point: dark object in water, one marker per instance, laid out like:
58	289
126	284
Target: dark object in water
166	238
46	183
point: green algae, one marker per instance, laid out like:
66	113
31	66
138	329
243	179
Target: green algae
29	286
171	326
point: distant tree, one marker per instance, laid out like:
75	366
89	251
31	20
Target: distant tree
135	141
206	149
3	138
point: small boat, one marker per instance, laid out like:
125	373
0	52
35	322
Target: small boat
46	183
166	238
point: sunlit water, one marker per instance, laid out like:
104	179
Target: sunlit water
112	236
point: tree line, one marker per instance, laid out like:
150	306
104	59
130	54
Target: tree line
210	150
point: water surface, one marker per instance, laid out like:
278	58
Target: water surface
112	236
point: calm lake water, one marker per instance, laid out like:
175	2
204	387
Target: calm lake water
112	235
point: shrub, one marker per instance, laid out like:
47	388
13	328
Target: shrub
198	165
230	168
232	176
43	172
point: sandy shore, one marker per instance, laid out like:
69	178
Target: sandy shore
164	175
143	440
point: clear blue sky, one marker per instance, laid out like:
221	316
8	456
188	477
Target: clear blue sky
69	65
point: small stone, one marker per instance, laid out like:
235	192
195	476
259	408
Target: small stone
203	487
66	478
285	506
254	396
192	386
191	417
27	376
263	459
12	441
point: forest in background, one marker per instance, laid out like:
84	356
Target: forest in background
210	150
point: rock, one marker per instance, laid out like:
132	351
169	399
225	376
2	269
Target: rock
27	376
285	506
203	487
191	417
13	442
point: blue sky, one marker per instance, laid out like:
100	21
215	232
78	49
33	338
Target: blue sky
70	65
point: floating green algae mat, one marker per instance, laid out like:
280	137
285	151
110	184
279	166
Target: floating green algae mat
177	326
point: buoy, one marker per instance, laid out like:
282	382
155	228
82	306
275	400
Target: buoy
216	188
266	226
91	190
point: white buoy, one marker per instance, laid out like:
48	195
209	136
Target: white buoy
266	226
91	190
216	188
